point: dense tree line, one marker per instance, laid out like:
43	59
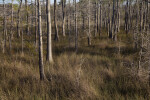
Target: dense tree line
77	18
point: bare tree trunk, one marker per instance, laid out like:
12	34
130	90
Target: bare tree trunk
56	38
118	15
95	26
36	29
22	38
70	22
18	23
100	26
145	15
49	40
67	21
147	12
43	6
31	17
105	19
22	42
27	17
11	28
63	12
148	31
116	22
41	66
130	15
76	30
113	21
98	9
109	21
4	26
136	26
89	33
141	16
127	17
83	22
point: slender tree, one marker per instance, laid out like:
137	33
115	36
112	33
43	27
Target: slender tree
100	23
113	21
41	66
89	23
36	29
31	16
11	28
76	30
127	17
4	27
49	41
95	26
63	12
56	38
27	17
118	15
69	27
22	41
18	22
109	21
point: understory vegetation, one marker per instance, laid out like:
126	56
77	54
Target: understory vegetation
106	70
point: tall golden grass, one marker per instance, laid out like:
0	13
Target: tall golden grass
97	72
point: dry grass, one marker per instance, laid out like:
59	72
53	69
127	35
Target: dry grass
97	72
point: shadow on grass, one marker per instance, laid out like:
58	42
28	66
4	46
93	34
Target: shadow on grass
96	50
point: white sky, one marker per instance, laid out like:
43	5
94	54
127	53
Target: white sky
15	1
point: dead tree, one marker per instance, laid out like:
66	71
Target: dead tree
49	38
36	29
56	38
63	12
27	17
96	15
109	21
18	22
4	27
76	29
127	17
11	28
41	66
69	28
100	20
89	23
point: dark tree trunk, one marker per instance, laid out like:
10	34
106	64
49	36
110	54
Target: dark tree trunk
56	38
41	66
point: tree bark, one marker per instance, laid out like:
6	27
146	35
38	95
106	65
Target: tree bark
83	22
4	27
31	17
63	12
56	38
49	40
22	42
11	28
112	22
27	17
89	23
36	28
127	17
95	26
41	66
109	21
18	23
100	24
69	23
76	30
